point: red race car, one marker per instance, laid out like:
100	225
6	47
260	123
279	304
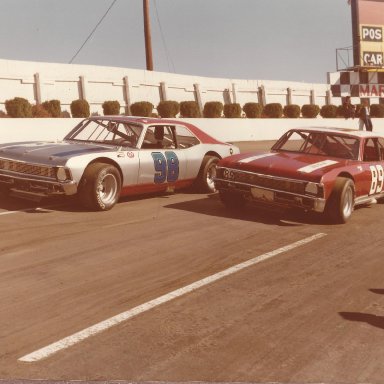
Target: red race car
325	170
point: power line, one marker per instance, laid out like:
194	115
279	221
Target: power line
93	31
167	55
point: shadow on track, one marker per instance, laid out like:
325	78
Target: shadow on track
61	203
368	318
44	205
375	321
207	205
377	291
8	203
211	205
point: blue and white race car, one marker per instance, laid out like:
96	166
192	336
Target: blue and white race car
106	157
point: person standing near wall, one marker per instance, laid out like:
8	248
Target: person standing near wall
348	108
364	117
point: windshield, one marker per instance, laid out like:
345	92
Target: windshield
319	143
107	132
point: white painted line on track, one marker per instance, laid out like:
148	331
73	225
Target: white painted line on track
9	212
115	320
19	211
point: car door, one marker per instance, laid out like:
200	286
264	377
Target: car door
192	149
372	177
162	164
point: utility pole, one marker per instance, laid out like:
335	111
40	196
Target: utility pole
147	35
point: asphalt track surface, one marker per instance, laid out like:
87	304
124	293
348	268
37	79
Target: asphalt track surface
306	306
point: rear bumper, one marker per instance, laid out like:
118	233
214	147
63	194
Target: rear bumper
272	197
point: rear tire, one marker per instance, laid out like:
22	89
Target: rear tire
207	172
340	204
100	187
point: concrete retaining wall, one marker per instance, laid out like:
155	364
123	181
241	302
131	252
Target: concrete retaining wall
12	130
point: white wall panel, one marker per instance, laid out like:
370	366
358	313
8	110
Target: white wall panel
62	82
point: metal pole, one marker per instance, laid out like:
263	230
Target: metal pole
356	33
147	35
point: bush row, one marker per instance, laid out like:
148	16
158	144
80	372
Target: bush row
19	107
332	111
216	109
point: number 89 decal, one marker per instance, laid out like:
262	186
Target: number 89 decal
166	167
377	182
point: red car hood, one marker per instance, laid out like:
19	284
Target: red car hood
284	164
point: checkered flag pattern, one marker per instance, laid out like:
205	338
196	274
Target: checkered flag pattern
352	83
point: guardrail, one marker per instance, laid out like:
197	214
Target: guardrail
14	130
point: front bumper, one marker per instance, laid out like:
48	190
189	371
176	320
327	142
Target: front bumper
34	186
265	190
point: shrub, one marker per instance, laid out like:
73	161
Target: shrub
310	111
189	109
80	108
168	108
377	110
3	114
273	110
340	111
142	108
292	111
232	110
52	107
328	111
111	107
65	114
253	110
39	111
18	107
213	109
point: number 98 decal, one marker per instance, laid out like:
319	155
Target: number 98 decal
377	182
166	167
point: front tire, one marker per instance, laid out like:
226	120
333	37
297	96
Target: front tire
207	173
340	204
100	187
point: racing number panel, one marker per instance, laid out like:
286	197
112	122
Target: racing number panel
166	167
373	167
161	167
377	179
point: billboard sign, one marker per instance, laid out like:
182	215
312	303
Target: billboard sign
368	33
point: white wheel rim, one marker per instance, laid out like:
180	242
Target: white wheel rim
348	203
211	174
107	189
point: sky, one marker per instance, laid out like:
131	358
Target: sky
292	40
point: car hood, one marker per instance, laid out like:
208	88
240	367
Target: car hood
284	164
44	152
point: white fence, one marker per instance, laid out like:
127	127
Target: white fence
38	82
